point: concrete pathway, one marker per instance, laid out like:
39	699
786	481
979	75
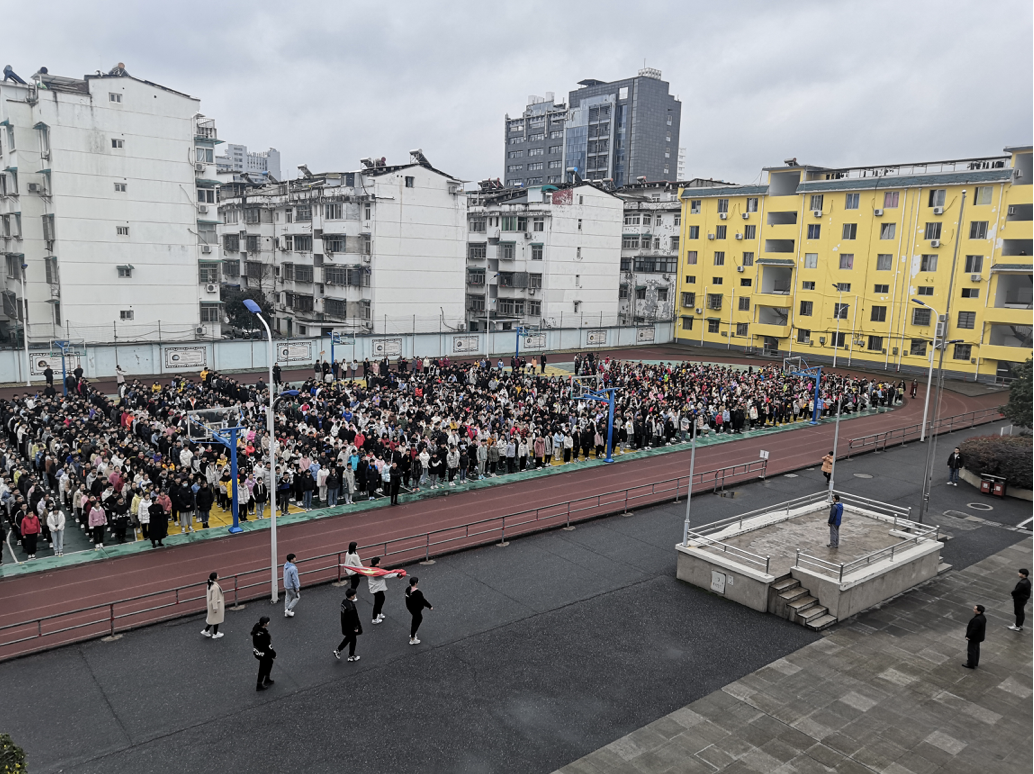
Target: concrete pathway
885	692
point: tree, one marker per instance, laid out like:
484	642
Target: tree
12	757
240	317
1018	409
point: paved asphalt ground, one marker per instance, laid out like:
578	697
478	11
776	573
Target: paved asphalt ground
535	654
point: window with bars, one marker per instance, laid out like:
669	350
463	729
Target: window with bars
252	243
302	243
967	320
921	317
744	304
335	275
303	273
335	307
741	329
253	269
251	216
917	347
232	243
714	301
962	352
232	269
840	310
689	300
334	244
208	272
712	326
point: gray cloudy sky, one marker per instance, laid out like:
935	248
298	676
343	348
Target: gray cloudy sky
832	83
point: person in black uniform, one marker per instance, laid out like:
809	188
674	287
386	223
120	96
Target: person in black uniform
262	646
974	636
395	482
415	604
1020	595
351	628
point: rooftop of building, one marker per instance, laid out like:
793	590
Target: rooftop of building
971	164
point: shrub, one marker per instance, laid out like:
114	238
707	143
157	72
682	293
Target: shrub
12	757
1008	456
1018	409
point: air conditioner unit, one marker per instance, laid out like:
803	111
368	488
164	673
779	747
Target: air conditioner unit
739	269
199	167
527	235
938	210
935	243
725	333
877	213
211	287
894	351
746	216
817	213
710	236
531	291
206	249
822	339
200	330
974	278
366	259
35	188
203	209
723	215
699	310
739	236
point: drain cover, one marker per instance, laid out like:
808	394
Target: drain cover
862	475
789	475
980	506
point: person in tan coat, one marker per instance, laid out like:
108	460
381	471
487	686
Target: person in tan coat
216	608
827	466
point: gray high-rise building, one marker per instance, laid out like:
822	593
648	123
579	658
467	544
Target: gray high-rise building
623	130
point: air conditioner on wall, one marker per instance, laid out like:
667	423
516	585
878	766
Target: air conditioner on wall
699	310
817	213
739	269
935	243
211	287
723	215
527	235
200	330
938	210
1012	209
710	236
199	167
974	278
203	209
206	249
739	236
877	213
35	188
746	216
366	259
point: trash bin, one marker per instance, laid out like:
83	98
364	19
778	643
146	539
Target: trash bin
985	485
992	485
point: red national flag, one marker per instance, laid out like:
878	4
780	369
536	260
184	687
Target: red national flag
373	572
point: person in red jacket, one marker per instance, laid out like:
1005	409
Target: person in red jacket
30	533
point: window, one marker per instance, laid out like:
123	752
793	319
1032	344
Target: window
507	251
535	308
303	273
125	314
538	166
689	300
120	187
207	272
879	314
691	257
752	204
367	212
302	243
694	232
125	272
122	230
691	279
971	292
410	181
847	260
807	286
632	219
806	308
803	336
253	269
978	229
890	199
928	263
716	280
844	287
112	97
719	258
647	219
205	155
477	251
811	260
839	339
555	149
745	282
534	280
840	310
477	225
850	230
712	326
921	317
937	197
741	329
719	232
630	243
851	201
674	244
967	320
232	269
252	216
962	352
982	195
917	347
816	202
883	262
206	196
924	291
332	211
714	300
536	151
555	164
640	294
252	244
694	207
974	264
579	224
678	218
875	344
515	168
814	231
887	230
723	205
748	259
116	143
515	154
881	288
744	304
750	232
303	213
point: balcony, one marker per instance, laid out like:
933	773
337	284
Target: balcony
773	300
1020	315
774	331
1001	353
779	245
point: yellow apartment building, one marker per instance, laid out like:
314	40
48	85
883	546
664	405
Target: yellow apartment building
830	264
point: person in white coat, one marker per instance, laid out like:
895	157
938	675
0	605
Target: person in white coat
143	514
216	608
56	525
378	586
352	560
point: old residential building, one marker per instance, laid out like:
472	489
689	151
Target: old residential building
107	206
544	256
377	250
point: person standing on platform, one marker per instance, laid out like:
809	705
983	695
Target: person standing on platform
262	648
292	586
351	628
352	560
975	630
836	513
216	608
1020	596
415	604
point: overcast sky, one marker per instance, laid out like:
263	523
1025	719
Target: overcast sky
830	83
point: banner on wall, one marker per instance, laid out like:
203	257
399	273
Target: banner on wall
186	357
464	344
387	347
294	351
537	341
38	362
643	335
597	337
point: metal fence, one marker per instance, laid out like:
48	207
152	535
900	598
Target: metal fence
880	441
108	619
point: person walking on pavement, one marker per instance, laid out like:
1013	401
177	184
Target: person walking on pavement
378	587
1020	595
955	463
292	587
352	560
262	649
415	604
827	466
974	636
915	387
351	628
216	608
836	513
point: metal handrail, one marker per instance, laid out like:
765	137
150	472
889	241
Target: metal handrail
786	505
843	568
420	546
880	441
742	553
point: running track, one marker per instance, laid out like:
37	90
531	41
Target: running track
27	597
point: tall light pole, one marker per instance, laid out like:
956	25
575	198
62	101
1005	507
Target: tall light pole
689	489
25	327
929	376
840	308
256	310
836	442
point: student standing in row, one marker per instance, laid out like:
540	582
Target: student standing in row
351	628
415	604
262	648
216	608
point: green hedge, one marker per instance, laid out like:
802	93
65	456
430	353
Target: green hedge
1008	456
12	758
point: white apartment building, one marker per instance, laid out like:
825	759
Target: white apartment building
104	185
650	231
237	158
547	255
380	250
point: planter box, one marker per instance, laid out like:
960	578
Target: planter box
1010	491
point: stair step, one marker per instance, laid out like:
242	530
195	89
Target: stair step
803	603
794	594
812	613
786	584
943	568
817	624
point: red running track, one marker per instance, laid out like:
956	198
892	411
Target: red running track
28	597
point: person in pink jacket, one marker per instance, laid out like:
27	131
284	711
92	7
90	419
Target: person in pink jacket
98	520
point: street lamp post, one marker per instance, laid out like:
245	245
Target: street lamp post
840	308
931	447
929	376
256	310
836	442
689	489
